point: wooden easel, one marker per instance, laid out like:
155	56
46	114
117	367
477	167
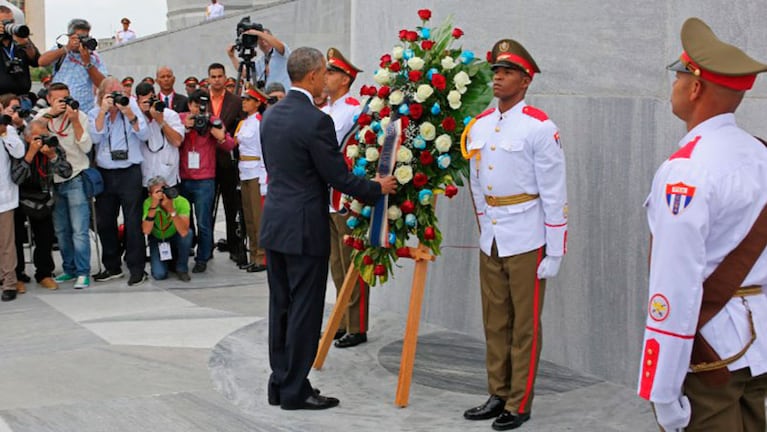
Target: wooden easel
422	257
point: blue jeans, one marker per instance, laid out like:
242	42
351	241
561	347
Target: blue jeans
201	194
179	246
71	219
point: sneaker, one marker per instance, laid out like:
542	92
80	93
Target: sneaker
82	282
20	287
64	277
183	276
48	283
137	279
107	275
199	267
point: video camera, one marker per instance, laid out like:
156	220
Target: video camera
119	98
12	29
246	44
202	121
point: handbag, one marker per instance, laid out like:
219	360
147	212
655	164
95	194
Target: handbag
94	183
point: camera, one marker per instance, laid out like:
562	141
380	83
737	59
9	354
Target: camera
14	66
50	140
12	29
203	121
245	43
119	155
72	102
6	120
119	98
88	42
23	113
170	191
157	104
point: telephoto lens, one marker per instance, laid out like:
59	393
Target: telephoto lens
119	98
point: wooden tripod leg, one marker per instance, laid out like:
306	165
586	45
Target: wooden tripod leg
335	317
411	333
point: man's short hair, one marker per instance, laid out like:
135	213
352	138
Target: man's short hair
156	180
40	123
274	87
144	89
197	96
302	61
216	66
5	9
78	24
58	86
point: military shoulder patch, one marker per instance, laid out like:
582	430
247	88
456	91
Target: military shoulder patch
679	196
485	113
556	138
535	113
659	308
352	101
686	151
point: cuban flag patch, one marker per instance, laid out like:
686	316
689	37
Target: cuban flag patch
679	196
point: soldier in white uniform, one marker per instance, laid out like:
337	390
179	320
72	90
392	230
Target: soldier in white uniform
344	108
126	34
705	344
517	176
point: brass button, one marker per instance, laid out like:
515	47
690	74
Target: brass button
490	167
492	147
647	374
649	362
494	221
649	351
489	187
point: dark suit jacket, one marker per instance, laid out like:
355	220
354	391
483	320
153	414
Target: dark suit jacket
180	103
231	112
301	155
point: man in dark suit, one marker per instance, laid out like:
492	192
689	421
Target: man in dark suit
228	108
302	159
165	80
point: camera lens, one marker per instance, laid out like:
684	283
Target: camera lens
170	192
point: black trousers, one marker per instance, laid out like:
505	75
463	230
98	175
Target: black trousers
296	302
122	189
42	235
227	179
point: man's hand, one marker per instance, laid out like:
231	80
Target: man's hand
85	54
156	115
549	267
156	198
673	416
74	43
388	184
49	152
167	203
72	114
189	122
3	129
126	110
34	146
107	103
230	50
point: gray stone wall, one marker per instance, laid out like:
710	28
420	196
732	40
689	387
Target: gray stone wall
605	86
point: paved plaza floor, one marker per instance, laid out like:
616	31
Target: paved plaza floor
172	356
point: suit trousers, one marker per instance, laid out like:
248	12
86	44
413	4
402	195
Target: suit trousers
42	236
227	178
297	286
251	211
512	302
736	407
356	316
7	251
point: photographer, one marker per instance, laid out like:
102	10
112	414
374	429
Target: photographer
13	147
72	210
34	175
76	63
268	68
119	129
166	224
18	54
12	104
197	168
166	132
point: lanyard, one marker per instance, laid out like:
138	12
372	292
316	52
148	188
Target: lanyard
9	52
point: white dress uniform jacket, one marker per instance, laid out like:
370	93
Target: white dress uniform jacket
13	147
343	112
519	153
704	200
249	140
160	156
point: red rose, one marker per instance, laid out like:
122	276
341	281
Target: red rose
457	33
438	81
367	260
451	191
364	119
414	75
395	67
359	244
427	45
426	159
403	252
416	111
348	240
428	233
385	111
405	122
420	179
379	270
448	124
407	207
402	34
424	14
364	90
386	58
383	92
411	36
370	137
489	56
368	91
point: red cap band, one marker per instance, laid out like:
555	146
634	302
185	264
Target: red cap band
340	64
518	60
739	83
255	95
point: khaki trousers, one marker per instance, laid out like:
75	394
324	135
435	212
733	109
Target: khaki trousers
512	302
7	251
251	212
736	407
356	317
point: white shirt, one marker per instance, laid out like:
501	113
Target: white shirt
703	201
9	191
519	153
343	111
215	10
249	142
76	151
160	156
125	36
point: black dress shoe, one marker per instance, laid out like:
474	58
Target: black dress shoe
351	339
339	334
255	268
274	395
315	401
245	266
9	295
199	267
508	420
492	408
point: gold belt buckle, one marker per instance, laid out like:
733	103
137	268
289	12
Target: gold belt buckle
493	201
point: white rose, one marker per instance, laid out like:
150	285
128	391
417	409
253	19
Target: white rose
404	173
352	151
454	99
461	88
381	139
394	213
404	155
415	63
385	122
428	131
356	206
448	63
376	105
371	154
461	79
423	92
396	97
382	76
397	52
443	143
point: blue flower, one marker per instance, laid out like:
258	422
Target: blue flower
352	222
435	109
443	161
419	142
410	220
392	238
355	118
431	72
359	171
466	120
425	33
404	109
376	126
366	212
424	196
408	54
362	162
467	57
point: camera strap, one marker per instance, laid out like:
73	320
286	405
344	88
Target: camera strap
164	142
10	52
125	133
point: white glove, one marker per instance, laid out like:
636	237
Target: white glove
549	267
675	415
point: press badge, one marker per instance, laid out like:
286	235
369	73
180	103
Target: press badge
165	253
194	160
